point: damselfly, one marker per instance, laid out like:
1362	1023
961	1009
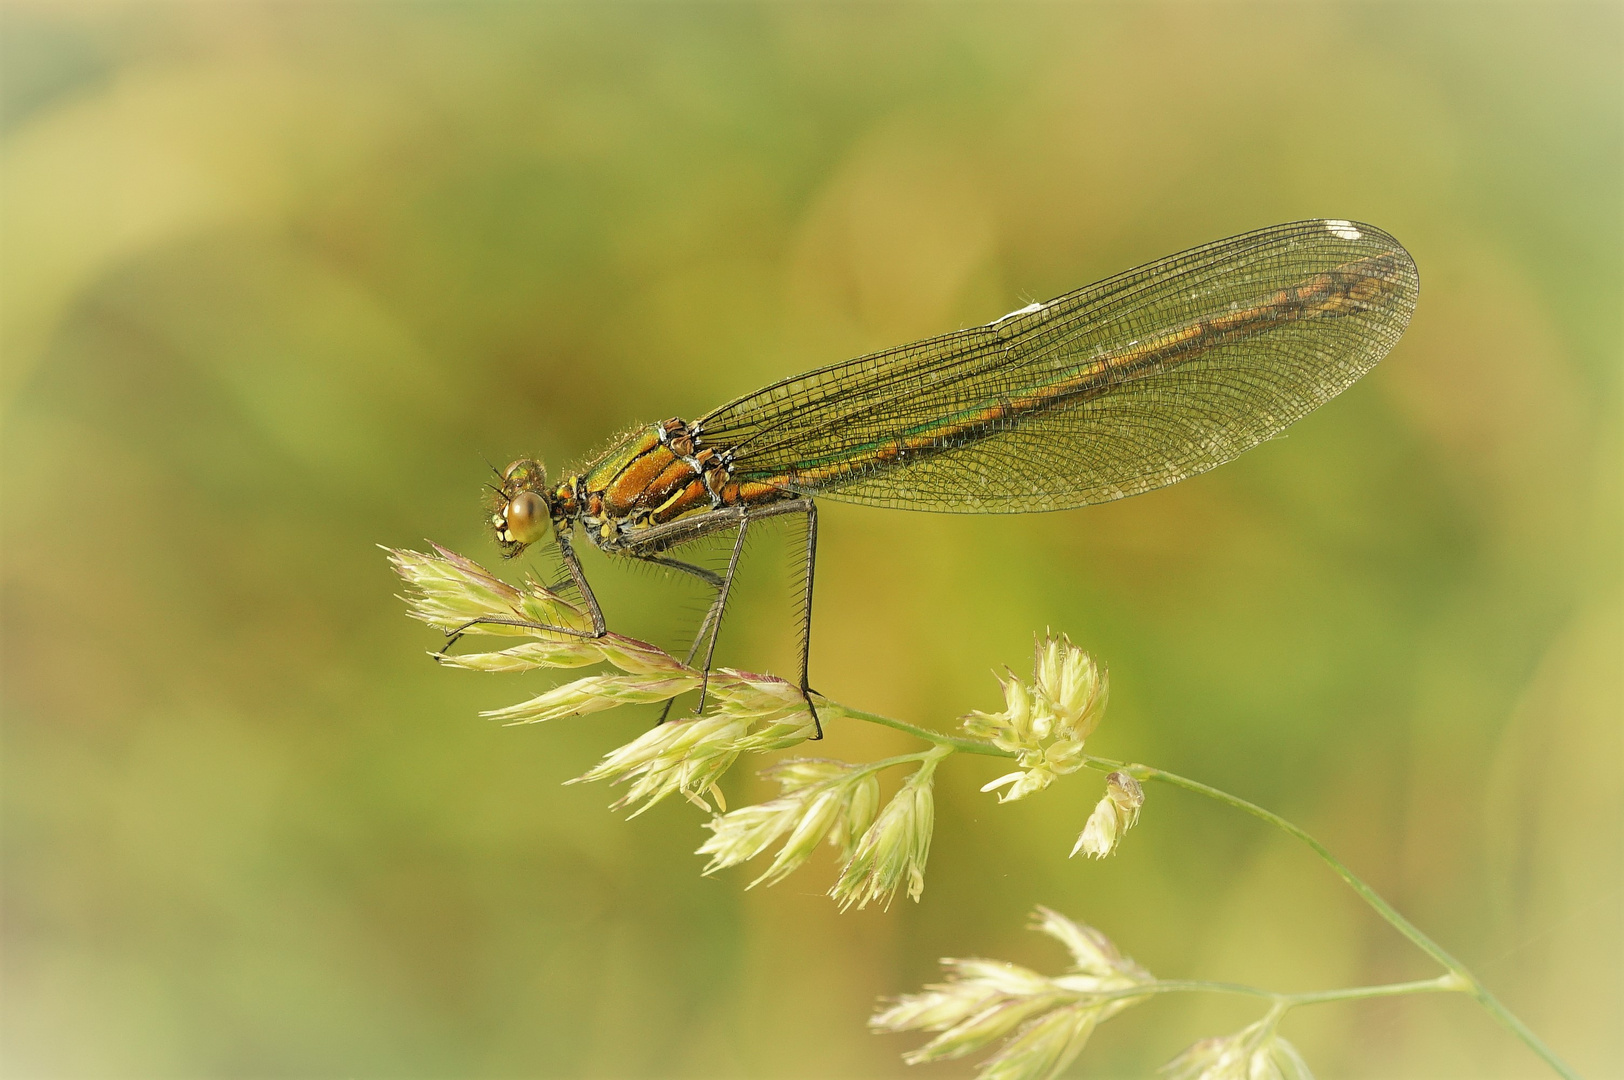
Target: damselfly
1130	384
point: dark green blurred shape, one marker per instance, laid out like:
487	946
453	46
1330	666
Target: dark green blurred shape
275	277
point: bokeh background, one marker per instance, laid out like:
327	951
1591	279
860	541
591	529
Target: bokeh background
278	279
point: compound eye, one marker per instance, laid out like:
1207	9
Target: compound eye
528	518
522	470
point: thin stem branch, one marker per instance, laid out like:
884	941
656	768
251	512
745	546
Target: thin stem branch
967	746
1457	971
934	754
1442	985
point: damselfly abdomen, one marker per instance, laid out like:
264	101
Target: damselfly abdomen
1130	384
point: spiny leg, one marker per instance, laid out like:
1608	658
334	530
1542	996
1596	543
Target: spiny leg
710	578
454	636
717	609
712	613
806	613
801	506
798	506
573	564
681	531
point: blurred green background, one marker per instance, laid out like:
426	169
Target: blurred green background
277	279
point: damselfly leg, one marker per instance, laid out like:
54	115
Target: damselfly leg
578	576
711	627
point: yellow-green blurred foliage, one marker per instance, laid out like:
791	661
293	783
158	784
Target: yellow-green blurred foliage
278	278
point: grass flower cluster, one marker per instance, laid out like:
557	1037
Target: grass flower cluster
1045	722
1256	1052
821	800
1036	1024
882	849
836	801
1044	1021
892	853
750	713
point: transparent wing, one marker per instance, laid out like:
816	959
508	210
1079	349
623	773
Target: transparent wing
1126	385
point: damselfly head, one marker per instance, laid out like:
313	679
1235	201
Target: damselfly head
521	512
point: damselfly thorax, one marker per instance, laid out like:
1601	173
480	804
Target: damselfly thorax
1124	386
653	478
